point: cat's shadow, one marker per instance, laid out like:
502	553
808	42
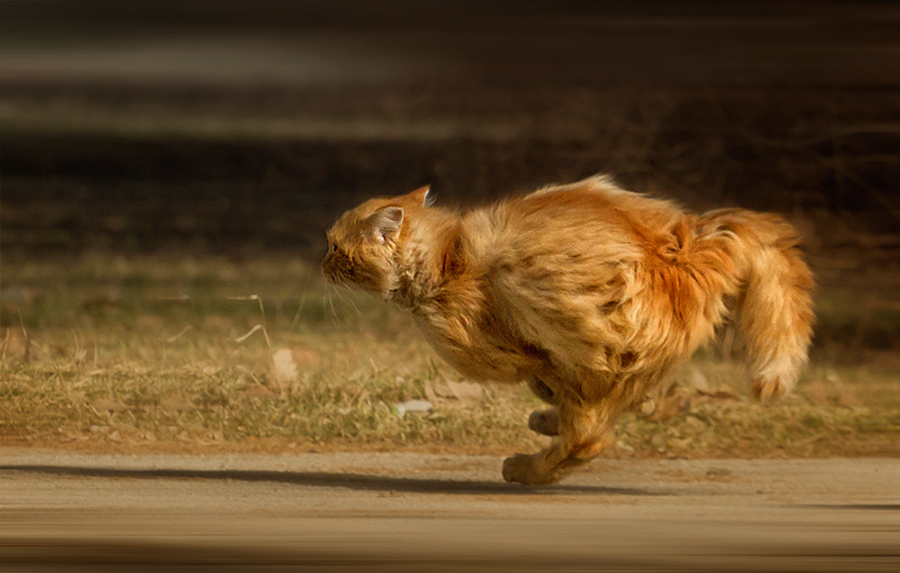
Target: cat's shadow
353	481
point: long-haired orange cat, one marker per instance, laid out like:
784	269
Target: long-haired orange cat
589	293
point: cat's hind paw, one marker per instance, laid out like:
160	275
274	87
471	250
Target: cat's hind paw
544	422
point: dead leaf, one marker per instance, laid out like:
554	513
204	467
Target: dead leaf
458	393
437	389
466	392
669	406
664	403
698	380
17	343
285	367
646	407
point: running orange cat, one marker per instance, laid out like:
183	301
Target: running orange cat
589	293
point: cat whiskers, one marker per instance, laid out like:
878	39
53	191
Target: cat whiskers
329	292
350	298
344	299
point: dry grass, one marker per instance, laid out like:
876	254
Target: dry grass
149	354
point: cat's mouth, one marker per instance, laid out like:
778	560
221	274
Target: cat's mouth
332	277
328	272
335	277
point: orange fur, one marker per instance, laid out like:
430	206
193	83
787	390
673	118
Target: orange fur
589	293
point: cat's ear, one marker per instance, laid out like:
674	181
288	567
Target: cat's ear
423	196
384	224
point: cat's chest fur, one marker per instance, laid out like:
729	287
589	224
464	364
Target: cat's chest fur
459	321
446	279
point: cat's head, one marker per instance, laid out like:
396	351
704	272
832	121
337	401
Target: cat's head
363	242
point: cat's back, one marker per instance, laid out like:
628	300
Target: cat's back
588	219
560	265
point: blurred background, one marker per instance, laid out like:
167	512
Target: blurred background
244	127
160	162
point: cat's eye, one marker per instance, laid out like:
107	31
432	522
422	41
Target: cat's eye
331	248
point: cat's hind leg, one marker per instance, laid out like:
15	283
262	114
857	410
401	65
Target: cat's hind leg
542	390
584	431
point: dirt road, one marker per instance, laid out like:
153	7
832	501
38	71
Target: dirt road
412	512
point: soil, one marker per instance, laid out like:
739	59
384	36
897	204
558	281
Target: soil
415	512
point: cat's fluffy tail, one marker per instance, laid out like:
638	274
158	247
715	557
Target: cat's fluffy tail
774	305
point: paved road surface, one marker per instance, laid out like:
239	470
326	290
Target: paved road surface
409	512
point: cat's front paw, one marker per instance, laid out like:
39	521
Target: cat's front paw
769	391
525	469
